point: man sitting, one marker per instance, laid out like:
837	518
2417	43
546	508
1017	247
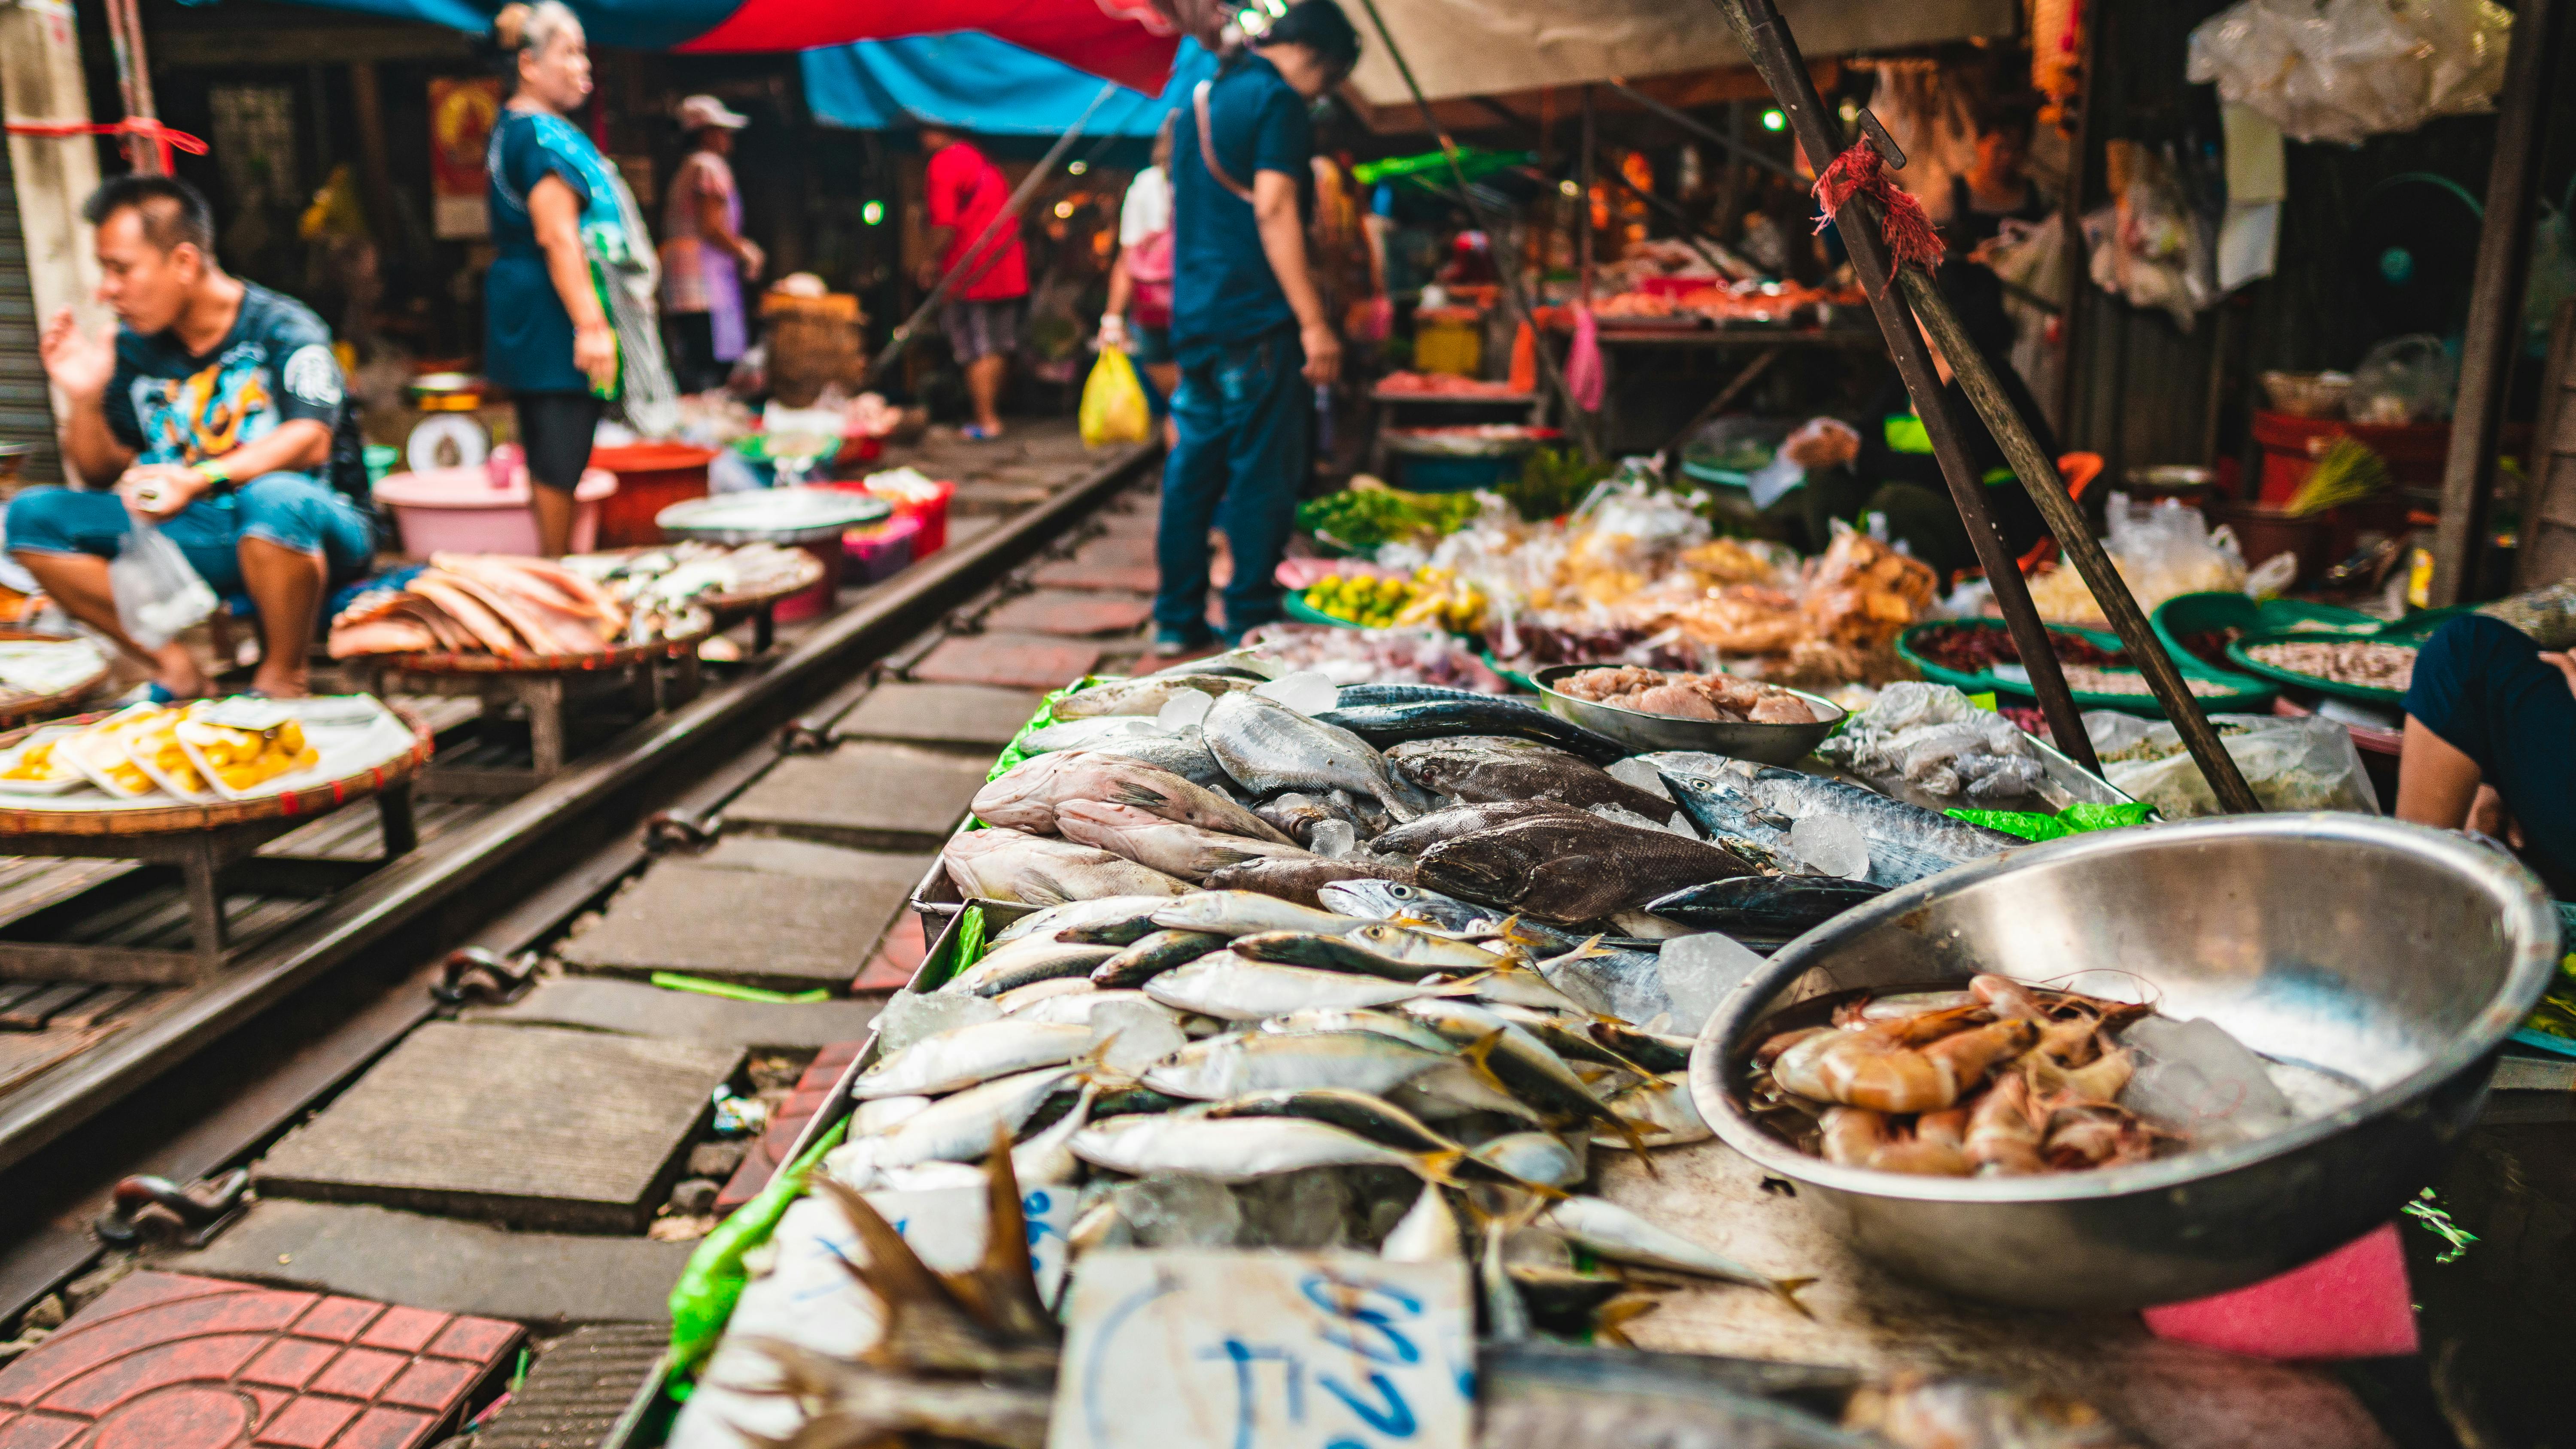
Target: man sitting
217	408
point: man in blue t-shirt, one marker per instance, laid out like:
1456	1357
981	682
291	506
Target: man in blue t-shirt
1248	326
218	413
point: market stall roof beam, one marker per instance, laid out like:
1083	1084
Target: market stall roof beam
1706	132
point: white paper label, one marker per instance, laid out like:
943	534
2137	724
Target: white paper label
1207	1349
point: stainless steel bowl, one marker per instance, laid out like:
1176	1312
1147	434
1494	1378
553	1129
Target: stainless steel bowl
1769	744
2393	957
788	517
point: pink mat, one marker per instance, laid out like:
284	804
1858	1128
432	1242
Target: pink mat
2351	1303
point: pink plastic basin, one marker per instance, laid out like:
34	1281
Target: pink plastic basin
458	509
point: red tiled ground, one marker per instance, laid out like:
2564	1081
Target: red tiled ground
898	956
765	1155
1012	661
1120	578
162	1361
1065	611
1118	550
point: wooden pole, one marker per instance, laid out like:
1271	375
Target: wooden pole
1583	216
2494	332
1766	39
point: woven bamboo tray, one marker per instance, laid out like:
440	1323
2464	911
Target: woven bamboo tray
164	816
20	708
479	662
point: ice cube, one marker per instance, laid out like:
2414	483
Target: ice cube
1307	691
1634	771
1183	710
1697	973
1830	845
1332	839
1625	816
1293	1209
1179	1210
911	1015
2194	1078
1139	1034
1624	984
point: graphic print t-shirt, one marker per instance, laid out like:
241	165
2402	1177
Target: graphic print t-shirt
276	365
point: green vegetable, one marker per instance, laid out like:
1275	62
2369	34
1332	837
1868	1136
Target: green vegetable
1552	481
1364	518
2084	815
2073	820
712	1284
674	981
2347	472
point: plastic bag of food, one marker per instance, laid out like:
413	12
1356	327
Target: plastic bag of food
2408	379
2547	615
1114	409
2345	69
158	593
2291	764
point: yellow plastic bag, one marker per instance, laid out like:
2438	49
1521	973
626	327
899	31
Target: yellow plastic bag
1113	402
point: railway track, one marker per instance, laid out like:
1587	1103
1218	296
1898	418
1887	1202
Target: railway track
200	1079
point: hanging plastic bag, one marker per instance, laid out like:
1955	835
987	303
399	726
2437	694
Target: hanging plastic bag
2408	379
158	593
1114	409
2291	764
2345	69
1583	362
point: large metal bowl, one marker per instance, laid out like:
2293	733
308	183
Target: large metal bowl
1769	744
2393	957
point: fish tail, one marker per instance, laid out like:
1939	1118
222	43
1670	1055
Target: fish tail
1092	1068
1636	1140
1609	1320
1478	1056
1786	1290
1441	1167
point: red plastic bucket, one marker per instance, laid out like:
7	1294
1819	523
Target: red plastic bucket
929	513
650	478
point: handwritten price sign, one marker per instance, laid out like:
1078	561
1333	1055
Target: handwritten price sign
1205	1349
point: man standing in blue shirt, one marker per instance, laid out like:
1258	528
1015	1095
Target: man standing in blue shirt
1248	325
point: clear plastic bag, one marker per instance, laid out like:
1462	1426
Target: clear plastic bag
2342	70
2291	764
2408	379
158	593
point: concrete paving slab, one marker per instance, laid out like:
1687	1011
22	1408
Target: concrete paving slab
455	1267
634	1008
1010	661
535	1127
965	715
864	794
577	1389
1078	613
167	1361
1130	549
1075	574
813	859
683	916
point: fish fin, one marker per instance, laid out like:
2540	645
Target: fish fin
1786	1290
1004	1284
1440	1167
1092	1068
1609	1319
1635	1139
1478	1057
1142	797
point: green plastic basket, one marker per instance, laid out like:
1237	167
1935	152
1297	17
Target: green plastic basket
2246	696
2363	693
2185	614
1293	604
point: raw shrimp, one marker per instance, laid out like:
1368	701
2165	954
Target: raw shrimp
1881	1067
1857	1137
2096	1134
2002	1139
1853	1134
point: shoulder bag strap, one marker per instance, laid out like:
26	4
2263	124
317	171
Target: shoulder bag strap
1207	147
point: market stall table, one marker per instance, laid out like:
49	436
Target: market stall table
812	519
759	605
1615	338
213	844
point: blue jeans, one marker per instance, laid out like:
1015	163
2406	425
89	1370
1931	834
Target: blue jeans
292	510
1241	410
2480	685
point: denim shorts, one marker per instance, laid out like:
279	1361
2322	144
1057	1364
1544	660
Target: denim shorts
292	510
983	329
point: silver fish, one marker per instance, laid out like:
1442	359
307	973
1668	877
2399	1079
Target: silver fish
1012	865
965	1055
1079	1006
1325	953
1245	1062
959	1128
1662	1108
1231	988
1024	962
1268	747
1522	986
1383	1023
1760	803
1184	754
1143	696
1190	852
1236	1149
1430	952
1244	913
1427	1233
1017	1000
1047	1159
1151	955
1075	914
1517	1059
1421	906
1456	1090
1031	795
1540	1157
1079	734
1610	1231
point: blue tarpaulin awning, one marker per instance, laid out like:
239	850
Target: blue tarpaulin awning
977	83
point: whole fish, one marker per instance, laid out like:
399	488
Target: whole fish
1565	1034
1413	903
1767	907
1524	987
1030	794
1760	802
1152	955
1012	865
1142	696
1079	734
1610	1231
963	1056
1427	1233
1184	754
1024	962
1457	1090
1047	1160
1243	913
1539	1157
1373	1118
1230	988
1325	953
1426	952
1020	998
959	1127
1383	1023
1060	921
1450	822
1663	1109
1078	1006
1187	851
1268	747
1486	770
1564	1396
1243	1062
1238	1149
1484	715
1242	662
1569	868
1517	1060
1011	965
1302	879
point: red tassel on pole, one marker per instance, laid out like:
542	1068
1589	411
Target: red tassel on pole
1908	228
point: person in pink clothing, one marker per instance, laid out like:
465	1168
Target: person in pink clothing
705	256
964	193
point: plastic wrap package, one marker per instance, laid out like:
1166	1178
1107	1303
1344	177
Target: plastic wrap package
2345	69
2148	246
2291	764
2160	549
2547	615
2406	379
1932	737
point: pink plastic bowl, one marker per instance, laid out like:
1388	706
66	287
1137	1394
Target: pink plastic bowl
458	509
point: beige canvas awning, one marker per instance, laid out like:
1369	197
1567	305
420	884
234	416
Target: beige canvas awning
1487	47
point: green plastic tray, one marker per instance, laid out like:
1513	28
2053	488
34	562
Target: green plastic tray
2363	693
2249	695
1293	604
2199	613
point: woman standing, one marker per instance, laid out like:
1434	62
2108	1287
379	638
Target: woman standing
705	256
1139	316
547	333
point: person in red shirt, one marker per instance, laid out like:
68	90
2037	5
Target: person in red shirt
965	192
